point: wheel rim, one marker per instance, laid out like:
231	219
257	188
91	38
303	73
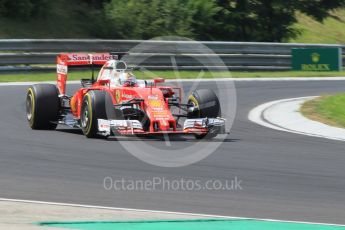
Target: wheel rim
85	115
29	104
192	101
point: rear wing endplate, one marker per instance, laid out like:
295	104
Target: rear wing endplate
78	59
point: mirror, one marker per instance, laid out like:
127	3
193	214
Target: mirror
120	66
158	80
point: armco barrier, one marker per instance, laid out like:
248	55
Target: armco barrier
14	53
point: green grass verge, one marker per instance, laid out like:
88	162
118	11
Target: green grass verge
326	109
331	30
76	75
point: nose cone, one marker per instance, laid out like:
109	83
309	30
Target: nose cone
164	125
157	110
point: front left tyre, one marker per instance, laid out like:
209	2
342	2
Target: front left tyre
42	106
96	105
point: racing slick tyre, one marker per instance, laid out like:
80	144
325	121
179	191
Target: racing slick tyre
206	104
96	104
42	106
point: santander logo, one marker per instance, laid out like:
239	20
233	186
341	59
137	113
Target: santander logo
95	57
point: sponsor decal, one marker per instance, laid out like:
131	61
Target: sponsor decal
315	67
153	97
164	123
315	58
127	96
103	125
160	114
155	103
94	57
118	96
119	123
61	69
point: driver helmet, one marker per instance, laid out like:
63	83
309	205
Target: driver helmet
127	79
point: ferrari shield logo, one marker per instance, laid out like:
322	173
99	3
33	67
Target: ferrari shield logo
117	96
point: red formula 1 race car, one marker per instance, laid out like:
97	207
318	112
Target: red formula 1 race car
119	104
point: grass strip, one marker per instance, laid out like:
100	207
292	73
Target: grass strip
328	109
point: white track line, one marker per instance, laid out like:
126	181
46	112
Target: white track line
284	115
163	212
340	78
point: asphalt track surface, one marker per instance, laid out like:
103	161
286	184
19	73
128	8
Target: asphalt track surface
284	175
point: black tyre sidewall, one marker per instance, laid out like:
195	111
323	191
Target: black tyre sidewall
208	106
207	102
99	105
46	105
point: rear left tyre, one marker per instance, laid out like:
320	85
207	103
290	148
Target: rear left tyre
42	106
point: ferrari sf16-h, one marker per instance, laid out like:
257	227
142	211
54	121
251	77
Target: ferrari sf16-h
116	103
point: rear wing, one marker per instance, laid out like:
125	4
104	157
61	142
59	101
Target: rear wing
78	59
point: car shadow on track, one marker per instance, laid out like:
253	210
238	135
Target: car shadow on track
172	138
70	130
175	139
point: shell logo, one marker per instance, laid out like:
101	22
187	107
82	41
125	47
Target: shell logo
118	96
155	103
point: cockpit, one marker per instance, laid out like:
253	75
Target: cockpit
118	74
127	79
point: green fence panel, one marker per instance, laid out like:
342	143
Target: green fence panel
316	59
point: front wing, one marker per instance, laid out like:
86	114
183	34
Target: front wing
197	126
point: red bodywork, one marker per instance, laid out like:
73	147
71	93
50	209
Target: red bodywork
155	98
